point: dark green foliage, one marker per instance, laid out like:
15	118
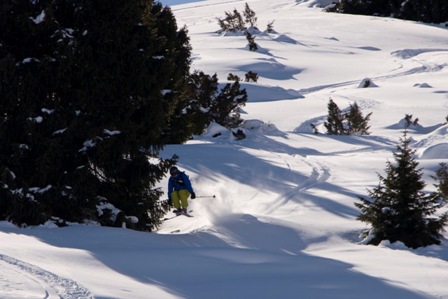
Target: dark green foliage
357	124
363	7
232	22
335	120
398	209
251	39
224	110
350	123
441	177
87	92
232	77
410	121
209	105
270	27
428	11
249	16
251	76
239	134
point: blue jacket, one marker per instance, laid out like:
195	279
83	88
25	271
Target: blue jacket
179	182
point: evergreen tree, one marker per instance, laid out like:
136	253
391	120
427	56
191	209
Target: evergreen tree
399	210
357	123
224	109
250	76
88	88
233	21
441	177
249	16
429	11
251	40
270	27
349	123
335	120
366	7
209	105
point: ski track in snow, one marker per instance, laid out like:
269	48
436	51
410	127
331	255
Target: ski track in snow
319	174
405	55
53	286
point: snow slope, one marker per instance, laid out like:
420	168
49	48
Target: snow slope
282	223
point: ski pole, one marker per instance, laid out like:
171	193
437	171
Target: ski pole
206	196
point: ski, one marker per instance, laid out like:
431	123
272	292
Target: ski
172	217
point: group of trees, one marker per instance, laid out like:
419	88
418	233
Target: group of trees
428	11
245	23
91	92
235	21
398	209
352	122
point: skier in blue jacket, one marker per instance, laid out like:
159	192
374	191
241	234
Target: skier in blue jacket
179	189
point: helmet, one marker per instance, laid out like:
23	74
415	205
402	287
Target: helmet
174	170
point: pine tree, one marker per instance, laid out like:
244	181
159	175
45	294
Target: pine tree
357	123
209	105
441	177
429	11
399	210
270	27
251	40
233	21
346	123
249	16
335	120
224	109
88	88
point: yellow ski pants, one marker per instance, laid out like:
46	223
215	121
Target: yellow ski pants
180	198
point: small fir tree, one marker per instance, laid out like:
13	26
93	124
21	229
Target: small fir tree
209	105
270	27
399	210
233	22
232	77
429	11
224	109
251	76
357	123
251	40
409	121
441	178
249	16
349	123
335	120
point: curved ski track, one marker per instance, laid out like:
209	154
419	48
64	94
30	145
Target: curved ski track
53	286
319	174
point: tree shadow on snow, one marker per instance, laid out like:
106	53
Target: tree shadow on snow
246	258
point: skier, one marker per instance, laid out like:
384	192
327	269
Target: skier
179	189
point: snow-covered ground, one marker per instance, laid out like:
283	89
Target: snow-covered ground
282	223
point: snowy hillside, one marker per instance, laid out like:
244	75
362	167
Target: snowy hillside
282	223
